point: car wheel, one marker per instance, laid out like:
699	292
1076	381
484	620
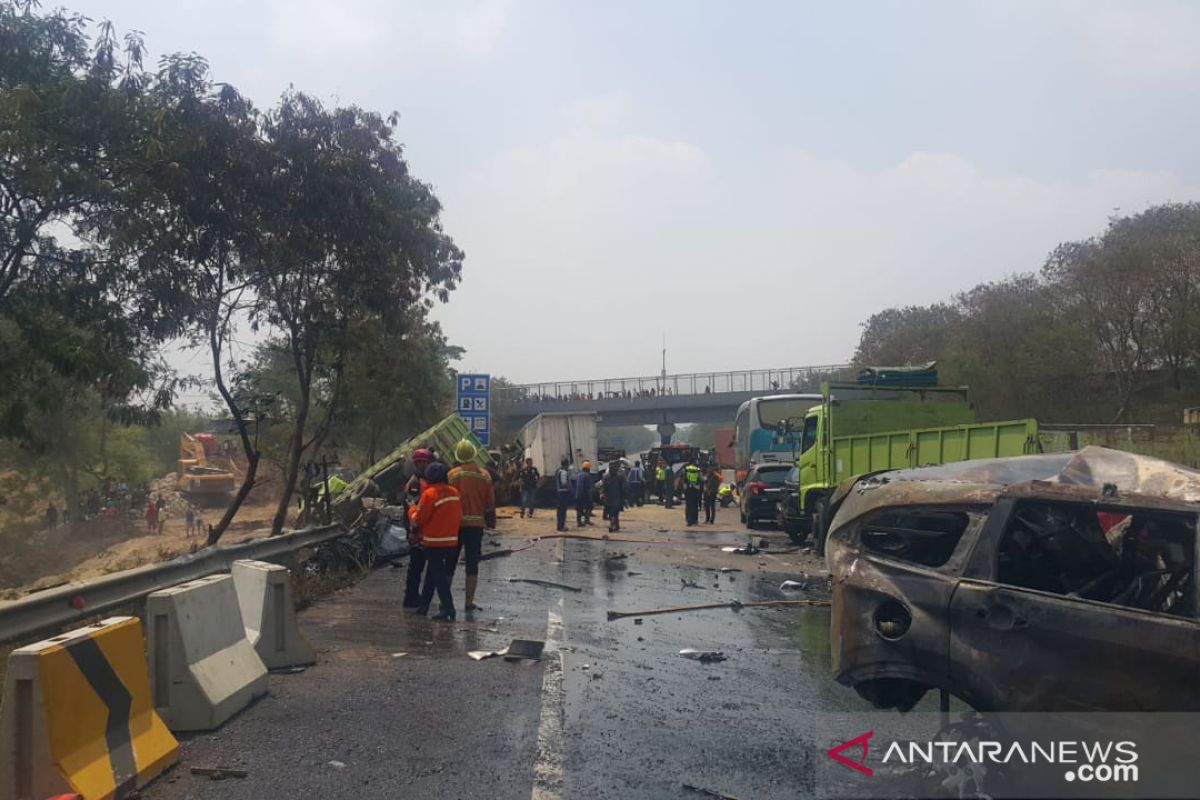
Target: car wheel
751	523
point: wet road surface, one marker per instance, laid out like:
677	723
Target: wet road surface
612	710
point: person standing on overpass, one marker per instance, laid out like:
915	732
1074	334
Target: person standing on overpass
562	486
437	518
478	496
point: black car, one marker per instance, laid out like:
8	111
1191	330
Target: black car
761	491
787	508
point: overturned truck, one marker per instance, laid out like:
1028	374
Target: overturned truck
385	478
1038	583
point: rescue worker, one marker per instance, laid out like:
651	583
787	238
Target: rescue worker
477	493
712	485
529	478
660	480
415	487
614	495
668	485
562	487
637	484
725	494
436	517
584	485
692	481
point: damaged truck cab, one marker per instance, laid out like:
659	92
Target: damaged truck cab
1040	583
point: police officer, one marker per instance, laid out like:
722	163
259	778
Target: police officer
691	493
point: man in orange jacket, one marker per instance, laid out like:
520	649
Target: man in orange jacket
437	518
478	495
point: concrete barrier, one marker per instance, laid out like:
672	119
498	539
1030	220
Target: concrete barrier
203	670
77	716
264	594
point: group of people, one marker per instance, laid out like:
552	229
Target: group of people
451	509
621	489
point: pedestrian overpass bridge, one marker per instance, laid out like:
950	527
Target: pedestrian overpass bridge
663	400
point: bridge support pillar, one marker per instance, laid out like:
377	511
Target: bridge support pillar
665	431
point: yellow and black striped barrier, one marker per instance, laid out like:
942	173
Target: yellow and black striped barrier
78	716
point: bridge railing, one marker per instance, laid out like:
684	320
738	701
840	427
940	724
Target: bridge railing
767	381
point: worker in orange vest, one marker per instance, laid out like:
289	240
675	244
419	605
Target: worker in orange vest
478	495
437	518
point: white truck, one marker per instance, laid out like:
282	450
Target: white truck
548	438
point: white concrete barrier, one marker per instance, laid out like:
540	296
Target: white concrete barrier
203	670
264	593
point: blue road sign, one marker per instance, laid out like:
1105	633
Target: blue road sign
475	404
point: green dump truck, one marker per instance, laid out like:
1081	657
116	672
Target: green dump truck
860	428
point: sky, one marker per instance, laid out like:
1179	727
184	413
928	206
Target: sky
749	180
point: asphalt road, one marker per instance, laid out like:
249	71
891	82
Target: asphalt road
395	707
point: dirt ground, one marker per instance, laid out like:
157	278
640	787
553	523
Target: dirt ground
88	551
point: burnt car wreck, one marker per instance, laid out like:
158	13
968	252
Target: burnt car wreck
1039	583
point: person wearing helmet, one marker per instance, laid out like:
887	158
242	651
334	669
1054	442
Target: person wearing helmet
421	459
584	485
437	517
562	487
478	494
692	485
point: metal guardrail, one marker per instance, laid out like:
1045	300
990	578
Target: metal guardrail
52	609
754	380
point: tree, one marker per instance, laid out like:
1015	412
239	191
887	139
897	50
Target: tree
191	226
909	335
71	321
353	236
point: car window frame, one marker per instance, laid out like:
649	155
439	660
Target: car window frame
978	517
983	563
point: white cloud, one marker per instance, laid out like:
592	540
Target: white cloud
1136	41
468	29
628	235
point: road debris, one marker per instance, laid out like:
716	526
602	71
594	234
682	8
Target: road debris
794	586
745	550
688	583
219	773
288	670
703	656
617	557
517	650
337	764
551	584
710	792
497	554
399	655
733	605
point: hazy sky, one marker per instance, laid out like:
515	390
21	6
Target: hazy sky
752	179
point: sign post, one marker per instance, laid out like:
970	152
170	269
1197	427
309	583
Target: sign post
475	404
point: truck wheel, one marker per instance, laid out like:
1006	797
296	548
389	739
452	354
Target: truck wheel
820	524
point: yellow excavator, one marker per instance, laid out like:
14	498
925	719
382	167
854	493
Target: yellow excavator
203	473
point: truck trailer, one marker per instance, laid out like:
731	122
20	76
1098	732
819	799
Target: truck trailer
859	429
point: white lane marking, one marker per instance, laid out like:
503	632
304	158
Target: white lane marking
548	765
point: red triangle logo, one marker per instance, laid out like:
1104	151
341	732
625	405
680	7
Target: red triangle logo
861	764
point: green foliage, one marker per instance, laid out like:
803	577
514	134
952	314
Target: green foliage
190	213
1087	339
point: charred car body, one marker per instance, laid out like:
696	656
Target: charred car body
1038	583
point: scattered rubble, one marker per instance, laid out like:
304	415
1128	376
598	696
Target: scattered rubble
551	584
703	656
